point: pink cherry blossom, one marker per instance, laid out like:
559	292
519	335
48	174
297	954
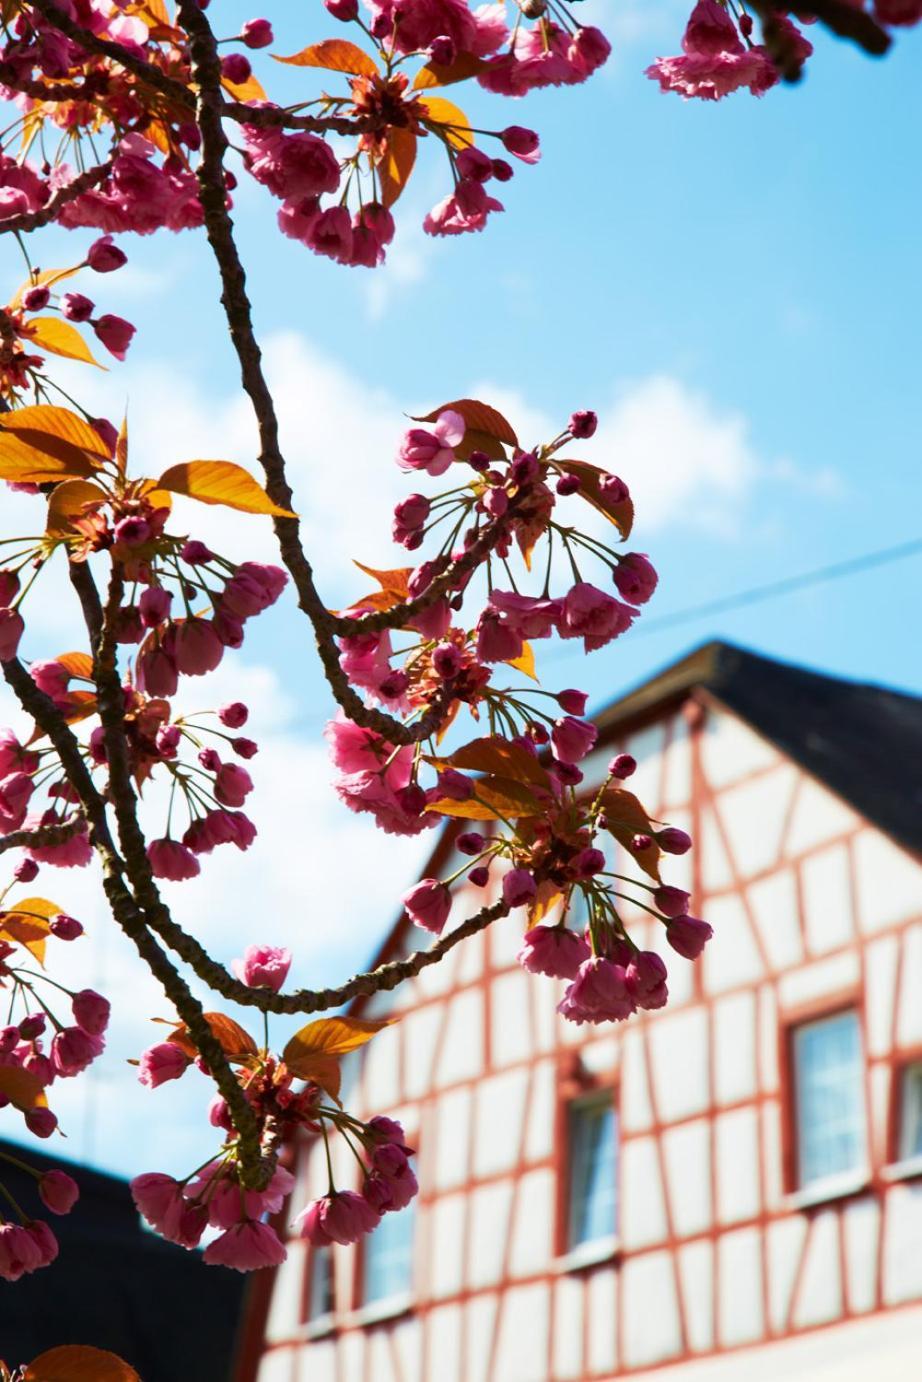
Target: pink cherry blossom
599	993
428	904
590	614
432	451
91	1011
518	887
246	1247
635	578
172	860
163	1062
263	966
58	1191
557	951
341	1217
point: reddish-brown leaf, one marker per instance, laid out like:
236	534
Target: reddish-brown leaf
494	755
235	1042
622	515
497	798
79	1363
626	817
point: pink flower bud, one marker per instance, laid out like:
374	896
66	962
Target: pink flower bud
599	993
587	862
165	1061
172	860
77	308
233	785
622	766
454	785
428	904
234	715
635	578
91	1011
583	424
154	606
115	334
235	68
12	629
518	887
104	256
688	936
446	660
257	33
245	748
471	842
58	1191
442	50
66	928
572	739
32	1026
640	842
263	966
613	489
474	163
672	902
573	702
674	841
41	1122
344	10
524	144
25	871
34	299
195	553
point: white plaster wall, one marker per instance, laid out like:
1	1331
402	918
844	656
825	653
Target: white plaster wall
652	1331
773	901
642	1213
500	1111
490	1209
730	750
521	1354
696	1273
284	1318
461	1055
820	1296
687	1153
889	882
740	1291
736	1137
735	1048
678	1046
827	899
567	1337
602	1305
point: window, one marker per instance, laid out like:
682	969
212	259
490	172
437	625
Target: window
910	1144
593	1169
829	1098
320	1296
388	1257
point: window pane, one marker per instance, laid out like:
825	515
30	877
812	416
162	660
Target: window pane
830	1101
320	1293
593	1169
388	1269
911	1112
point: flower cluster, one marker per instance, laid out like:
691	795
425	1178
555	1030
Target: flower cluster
719	56
39	1045
39	320
214	1197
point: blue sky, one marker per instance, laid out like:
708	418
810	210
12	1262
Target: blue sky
734	288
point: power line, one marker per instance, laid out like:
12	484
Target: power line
757	593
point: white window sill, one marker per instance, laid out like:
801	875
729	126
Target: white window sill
386	1309
320	1327
830	1188
589	1254
904	1170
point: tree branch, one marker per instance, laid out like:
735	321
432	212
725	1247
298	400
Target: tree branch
32	220
44	835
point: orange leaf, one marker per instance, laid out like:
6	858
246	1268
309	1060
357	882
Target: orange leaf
545	899
626	817
250	90
78	664
23	1089
235	1042
497	798
487	429
492	754
622	515
43	443
121	446
396	163
394	582
60	338
330	1036
334	55
446	74
47	278
452	121
324	1071
220	482
66	502
79	1363
525	662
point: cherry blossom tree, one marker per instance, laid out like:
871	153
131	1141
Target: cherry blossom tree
122	119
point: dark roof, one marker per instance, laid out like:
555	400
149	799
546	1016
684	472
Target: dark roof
861	740
116	1286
